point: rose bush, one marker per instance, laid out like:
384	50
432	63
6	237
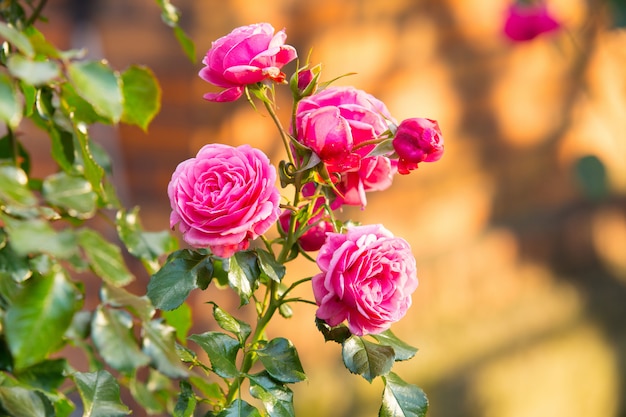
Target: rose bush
224	197
417	140
247	55
341	124
367	278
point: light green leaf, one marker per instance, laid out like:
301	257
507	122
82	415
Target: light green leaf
33	72
276	397
10	103
142	96
39	316
243	274
184	270
142	393
143	245
92	171
72	193
222	351
81	109
100	393
105	258
159	344
210	390
239	408
179	319
401	399
186	403
99	85
17	39
366	358
403	351
14	187
229	323
186	43
281	360
20	401
119	297
112	333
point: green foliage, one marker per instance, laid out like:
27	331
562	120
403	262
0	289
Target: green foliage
401	399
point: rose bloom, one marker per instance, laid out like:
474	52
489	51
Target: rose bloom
247	55
334	123
367	279
224	197
525	22
417	140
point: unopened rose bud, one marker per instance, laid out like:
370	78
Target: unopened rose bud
417	140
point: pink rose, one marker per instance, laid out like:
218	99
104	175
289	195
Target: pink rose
417	140
527	21
224	197
336	123
247	55
367	279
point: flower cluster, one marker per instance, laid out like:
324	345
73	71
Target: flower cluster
343	143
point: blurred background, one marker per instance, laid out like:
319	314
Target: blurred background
519	231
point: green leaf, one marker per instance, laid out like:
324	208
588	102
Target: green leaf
100	393
39	316
14	266
73	194
37	236
184	270
112	333
239	408
14	187
281	360
229	323
186	43
119	297
222	351
62	148
105	258
403	351
179	319
401	399
142	393
18	401
143	245
591	175
243	274
99	85
47	375
186	403
81	109
92	171
142	96
159	343
210	390
337	334
366	358
270	267
17	39
276	397
8	147
33	72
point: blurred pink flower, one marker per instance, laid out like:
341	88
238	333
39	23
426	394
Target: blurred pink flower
224	197
417	140
367	278
527	21
247	55
336	123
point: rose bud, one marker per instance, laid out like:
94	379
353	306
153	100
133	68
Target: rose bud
417	140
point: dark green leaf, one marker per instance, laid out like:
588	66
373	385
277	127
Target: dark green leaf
112	333
32	72
276	397
401	399
9	144
39	316
243	274
105	258
143	245
184	270
14	187
119	297
231	324
239	408
63	151
222	351
179	319
71	193
591	175
142	96
100	393
403	351
270	267
13	266
186	403
281	360
337	334
159	343
99	85
366	358
20	401
37	236
47	375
